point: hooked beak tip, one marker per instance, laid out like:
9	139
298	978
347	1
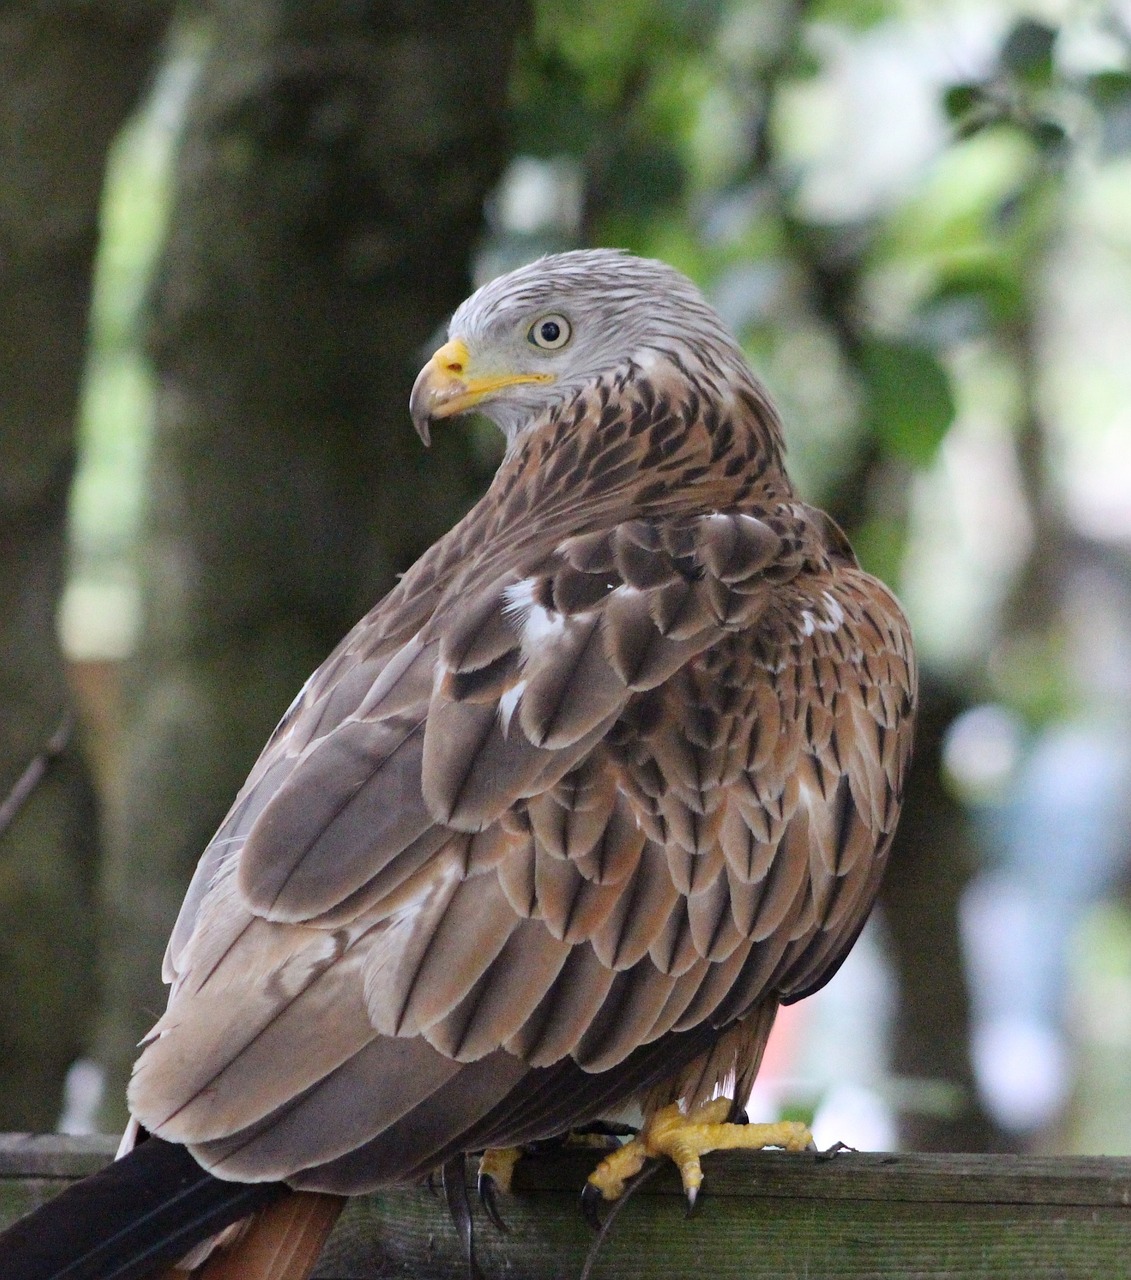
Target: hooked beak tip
439	388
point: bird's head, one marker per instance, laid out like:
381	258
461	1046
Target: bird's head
531	338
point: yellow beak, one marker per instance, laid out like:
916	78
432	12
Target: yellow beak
447	386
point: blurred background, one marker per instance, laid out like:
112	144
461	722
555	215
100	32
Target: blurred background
229	233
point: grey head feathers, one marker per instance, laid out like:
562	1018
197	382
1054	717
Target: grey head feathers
621	310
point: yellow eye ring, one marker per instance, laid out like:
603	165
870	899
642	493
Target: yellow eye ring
550	332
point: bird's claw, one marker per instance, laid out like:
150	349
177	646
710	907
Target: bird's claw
496	1170
829	1152
683	1137
453	1178
591	1202
488	1190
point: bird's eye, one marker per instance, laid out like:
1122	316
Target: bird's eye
550	333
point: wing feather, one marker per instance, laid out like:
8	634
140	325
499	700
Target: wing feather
557	809
324	1122
672	948
504	997
556	1025
571	818
410	1147
330	826
429	961
279	1011
626	1018
569	905
643	910
570	686
614	856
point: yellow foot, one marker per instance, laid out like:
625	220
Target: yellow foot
498	1164
684	1138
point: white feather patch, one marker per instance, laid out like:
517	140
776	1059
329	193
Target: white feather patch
828	618
836	613
507	704
520	597
539	624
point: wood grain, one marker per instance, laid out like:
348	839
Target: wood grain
765	1216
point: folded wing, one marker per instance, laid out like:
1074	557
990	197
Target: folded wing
577	819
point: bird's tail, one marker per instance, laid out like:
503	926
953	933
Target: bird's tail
146	1211
281	1242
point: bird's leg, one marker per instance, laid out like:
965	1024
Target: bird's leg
684	1138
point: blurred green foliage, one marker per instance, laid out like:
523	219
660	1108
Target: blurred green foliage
689	128
709	133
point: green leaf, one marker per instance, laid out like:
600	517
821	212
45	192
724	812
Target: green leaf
960	100
1027	51
858	15
970	107
1051	137
880	543
986	292
695	16
908	396
551	114
798	1113
1108	87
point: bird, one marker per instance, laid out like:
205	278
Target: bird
609	776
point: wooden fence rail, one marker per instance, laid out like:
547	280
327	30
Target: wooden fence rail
767	1216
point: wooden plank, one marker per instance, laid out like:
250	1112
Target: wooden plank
53	1155
764	1216
732	1238
770	1216
871	1175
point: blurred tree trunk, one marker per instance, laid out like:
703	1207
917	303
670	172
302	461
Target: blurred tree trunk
330	188
932	860
68	77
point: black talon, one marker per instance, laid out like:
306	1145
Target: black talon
591	1202
608	1129
488	1190
454	1175
834	1150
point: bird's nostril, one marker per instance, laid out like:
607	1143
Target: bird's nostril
454	366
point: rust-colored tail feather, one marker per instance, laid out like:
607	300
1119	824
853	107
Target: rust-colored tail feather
282	1242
